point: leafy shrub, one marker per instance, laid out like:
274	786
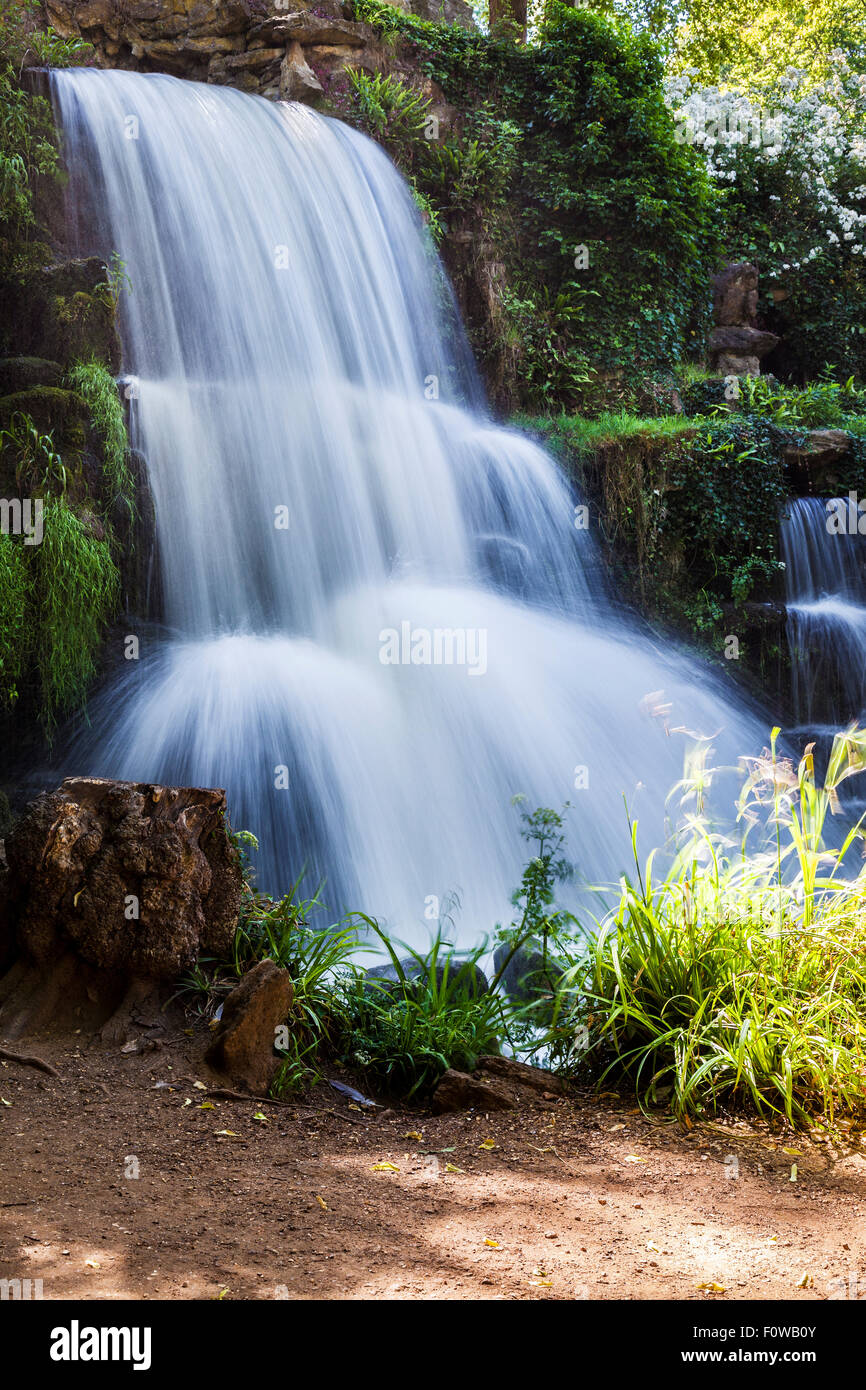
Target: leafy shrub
788	156
737	973
561	145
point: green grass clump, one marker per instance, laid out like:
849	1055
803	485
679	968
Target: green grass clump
94	382
587	436
76	590
16	593
404	1034
739	974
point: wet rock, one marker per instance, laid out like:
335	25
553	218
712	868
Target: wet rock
78	323
457	1090
111	884
527	973
243	1046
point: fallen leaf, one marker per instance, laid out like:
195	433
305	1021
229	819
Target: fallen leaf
633	1158
207	1105
227	1133
807	1282
711	1288
795	1153
413	1134
7	1103
613	1129
353	1106
452	1168
199	1085
385	1168
92	1264
541	1283
487	1144
262	1119
322	1203
494	1244
654	1248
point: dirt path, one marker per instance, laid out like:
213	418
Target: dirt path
581	1199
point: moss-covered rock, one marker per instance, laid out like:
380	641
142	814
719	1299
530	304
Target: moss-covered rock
52	409
24	373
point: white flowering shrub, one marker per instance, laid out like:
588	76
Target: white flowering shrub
790	162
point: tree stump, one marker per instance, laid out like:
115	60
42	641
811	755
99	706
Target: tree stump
112	890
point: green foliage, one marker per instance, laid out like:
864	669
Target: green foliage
404	1035
16	597
737	973
37	463
564	144
821	404
27	137
76	590
95	384
722	504
315	958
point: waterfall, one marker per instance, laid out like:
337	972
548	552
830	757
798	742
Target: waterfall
381	619
825	576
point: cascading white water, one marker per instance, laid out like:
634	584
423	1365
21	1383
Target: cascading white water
825	579
296	355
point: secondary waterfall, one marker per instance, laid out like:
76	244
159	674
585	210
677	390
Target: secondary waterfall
381	620
825	576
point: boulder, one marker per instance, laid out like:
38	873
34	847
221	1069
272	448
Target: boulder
527	974
509	1072
242	1049
115	885
298	82
727	364
24	373
498	1083
819	447
742	341
470	979
457	1090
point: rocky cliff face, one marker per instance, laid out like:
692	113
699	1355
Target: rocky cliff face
281	49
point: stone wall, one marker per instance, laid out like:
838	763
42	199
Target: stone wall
281	49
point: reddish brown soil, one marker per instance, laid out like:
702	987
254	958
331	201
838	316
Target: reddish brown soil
295	1205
